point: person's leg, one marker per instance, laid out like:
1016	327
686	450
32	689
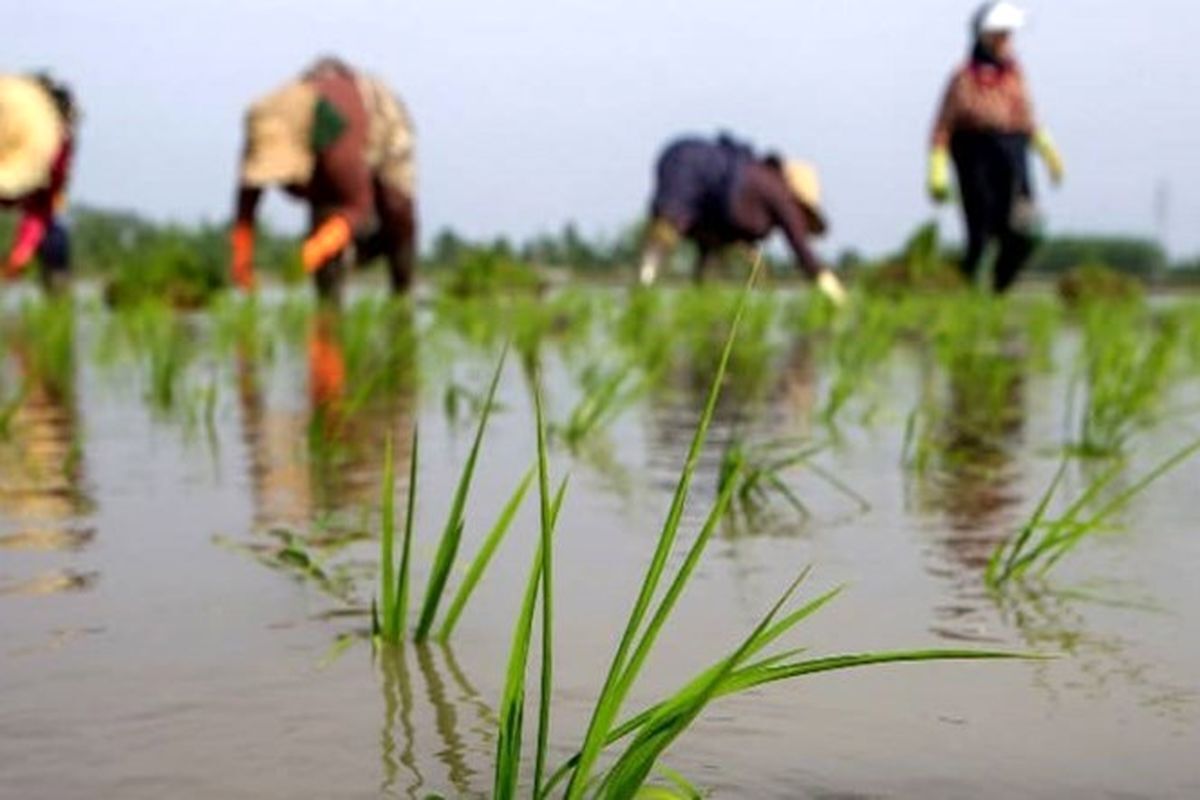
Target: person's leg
54	256
657	246
397	235
678	192
1015	250
706	262
977	203
1020	225
330	279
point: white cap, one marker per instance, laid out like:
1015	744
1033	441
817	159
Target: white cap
1001	17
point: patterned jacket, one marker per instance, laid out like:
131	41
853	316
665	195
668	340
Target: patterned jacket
370	149
984	98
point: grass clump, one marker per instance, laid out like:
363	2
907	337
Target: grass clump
484	271
1126	366
182	269
1096	283
921	266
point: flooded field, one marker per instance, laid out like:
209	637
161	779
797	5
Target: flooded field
190	513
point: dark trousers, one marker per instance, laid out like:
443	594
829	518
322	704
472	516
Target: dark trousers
997	199
54	256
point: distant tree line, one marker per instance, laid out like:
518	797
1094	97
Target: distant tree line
108	242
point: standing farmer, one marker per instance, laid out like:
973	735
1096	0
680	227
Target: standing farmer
343	143
37	139
718	193
986	125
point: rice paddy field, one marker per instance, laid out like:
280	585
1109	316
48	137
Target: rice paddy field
716	541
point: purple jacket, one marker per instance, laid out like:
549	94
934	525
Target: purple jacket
719	193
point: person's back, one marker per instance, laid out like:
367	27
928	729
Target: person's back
696	178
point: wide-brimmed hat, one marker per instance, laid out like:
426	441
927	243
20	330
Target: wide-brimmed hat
279	137
805	185
31	133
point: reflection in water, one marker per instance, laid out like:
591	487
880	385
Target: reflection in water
56	582
967	471
674	413
796	388
1053	621
42	485
398	705
328	459
970	478
452	750
48	539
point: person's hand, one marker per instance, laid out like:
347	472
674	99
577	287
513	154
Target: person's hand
832	288
938	182
325	243
1051	157
241	245
12	269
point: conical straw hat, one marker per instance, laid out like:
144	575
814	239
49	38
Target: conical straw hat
279	137
31	133
805	185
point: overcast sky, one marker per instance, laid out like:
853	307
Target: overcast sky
532	113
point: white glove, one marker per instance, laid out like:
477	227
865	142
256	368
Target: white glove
832	288
651	262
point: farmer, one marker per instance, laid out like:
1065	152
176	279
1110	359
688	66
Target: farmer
341	141
37	139
986	125
718	193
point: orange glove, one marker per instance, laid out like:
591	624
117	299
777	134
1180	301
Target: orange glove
241	244
325	243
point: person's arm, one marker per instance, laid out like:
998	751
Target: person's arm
789	216
31	231
38	213
241	238
938	179
1040	137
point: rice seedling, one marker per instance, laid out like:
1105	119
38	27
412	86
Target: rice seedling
757	472
452	533
483	558
1126	368
45	341
512	702
605	395
856	350
388	617
651	732
390	609
160	341
1041	542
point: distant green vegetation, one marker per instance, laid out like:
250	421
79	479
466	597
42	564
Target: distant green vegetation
187	264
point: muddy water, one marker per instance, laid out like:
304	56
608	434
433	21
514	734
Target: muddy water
145	652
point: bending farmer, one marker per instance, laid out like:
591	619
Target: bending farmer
986	125
718	193
37	135
343	143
